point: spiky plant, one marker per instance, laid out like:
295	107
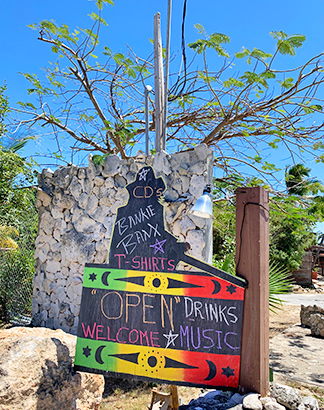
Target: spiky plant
280	282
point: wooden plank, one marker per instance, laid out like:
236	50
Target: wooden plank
159	83
252	262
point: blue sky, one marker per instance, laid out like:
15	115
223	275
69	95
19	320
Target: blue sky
130	22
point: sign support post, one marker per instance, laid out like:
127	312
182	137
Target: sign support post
252	260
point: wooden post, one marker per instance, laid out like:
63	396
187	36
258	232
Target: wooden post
252	262
158	81
175	396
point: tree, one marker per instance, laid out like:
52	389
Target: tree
298	181
293	219
18	224
99	97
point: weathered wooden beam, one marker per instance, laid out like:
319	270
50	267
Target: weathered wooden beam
252	262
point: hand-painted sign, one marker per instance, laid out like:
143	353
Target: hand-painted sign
140	317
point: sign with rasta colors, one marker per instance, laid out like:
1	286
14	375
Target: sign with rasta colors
142	318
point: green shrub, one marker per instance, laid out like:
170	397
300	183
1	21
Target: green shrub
16	283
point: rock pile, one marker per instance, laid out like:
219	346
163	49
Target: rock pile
36	372
77	209
281	397
313	318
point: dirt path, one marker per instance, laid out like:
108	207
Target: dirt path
283	318
299	353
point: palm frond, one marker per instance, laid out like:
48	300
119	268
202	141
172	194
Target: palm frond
280	282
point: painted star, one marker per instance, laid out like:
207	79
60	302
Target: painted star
171	337
93	277
86	351
231	289
142	174
158	246
227	371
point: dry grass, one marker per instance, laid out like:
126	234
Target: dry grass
131	395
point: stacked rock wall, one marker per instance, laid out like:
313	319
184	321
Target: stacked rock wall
77	208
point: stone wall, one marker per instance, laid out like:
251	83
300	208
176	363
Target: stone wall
77	208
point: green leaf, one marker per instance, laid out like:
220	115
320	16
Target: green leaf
286	44
233	82
95	17
107	51
296	40
30	105
131	73
100	3
268	75
279	35
201	29
219	38
273	144
288	83
98	159
198	46
316	107
214	41
260	54
118	57
244	53
48	25
250	77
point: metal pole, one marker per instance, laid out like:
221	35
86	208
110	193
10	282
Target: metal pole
166	79
147	89
158	76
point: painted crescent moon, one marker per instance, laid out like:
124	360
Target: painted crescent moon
98	354
104	278
217	287
212	370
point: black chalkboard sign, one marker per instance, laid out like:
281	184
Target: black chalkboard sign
141	317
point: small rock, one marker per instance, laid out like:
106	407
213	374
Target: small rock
317	325
197	185
237	407
307	311
285	395
252	402
161	163
309	403
112	163
202	151
269	403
